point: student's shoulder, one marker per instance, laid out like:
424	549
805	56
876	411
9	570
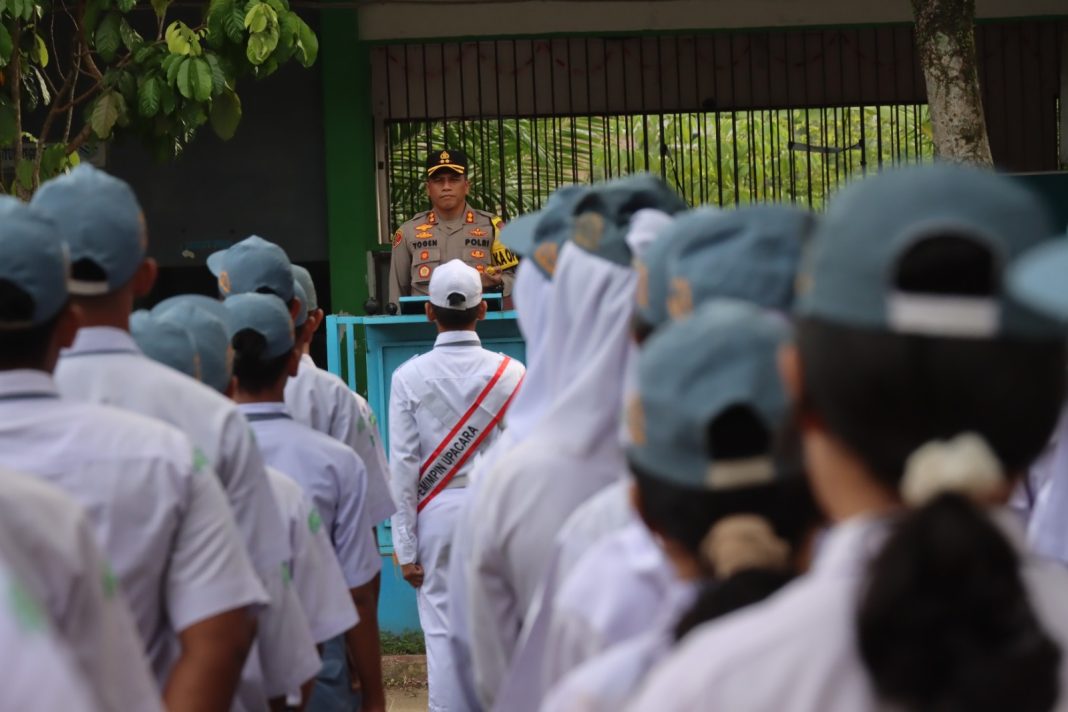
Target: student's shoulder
117	432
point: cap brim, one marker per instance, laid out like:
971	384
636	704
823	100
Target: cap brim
518	235
215	262
1038	279
458	170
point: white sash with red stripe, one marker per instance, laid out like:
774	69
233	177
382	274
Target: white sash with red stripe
467	436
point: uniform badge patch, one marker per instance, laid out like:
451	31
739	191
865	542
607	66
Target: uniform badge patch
397	237
470	218
424	226
424	272
424	255
480	268
432	219
423	235
478	254
224	283
478	232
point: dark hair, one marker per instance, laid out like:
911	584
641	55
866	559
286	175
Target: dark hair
719	598
455	318
22	348
944	621
253	373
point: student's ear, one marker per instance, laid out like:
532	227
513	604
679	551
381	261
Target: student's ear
429	309
145	278
295	306
294	362
790	372
482	309
316	318
231	388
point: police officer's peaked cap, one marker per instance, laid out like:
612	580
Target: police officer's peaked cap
447	159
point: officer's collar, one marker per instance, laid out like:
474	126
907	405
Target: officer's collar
26	382
466	217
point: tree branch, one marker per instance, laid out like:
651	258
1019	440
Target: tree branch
80	139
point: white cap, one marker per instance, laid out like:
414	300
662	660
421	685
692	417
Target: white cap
455	280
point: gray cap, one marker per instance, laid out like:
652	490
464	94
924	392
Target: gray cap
302	297
165	341
602	217
540	235
850	276
264	314
693	370
32	258
99	218
1039	279
304	279
205	320
253	265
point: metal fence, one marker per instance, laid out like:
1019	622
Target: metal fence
723	117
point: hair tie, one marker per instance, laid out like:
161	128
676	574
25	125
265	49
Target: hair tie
741	542
964	465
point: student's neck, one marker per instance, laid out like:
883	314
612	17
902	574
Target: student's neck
306	349
845	486
453	214
275	394
111	310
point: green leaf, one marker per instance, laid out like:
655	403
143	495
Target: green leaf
127	86
307	44
185	83
218	74
201	77
53	161
171	64
234	23
226	114
6	46
8	133
107	38
146	54
148	96
40	50
160	6
131	38
125	5
182	40
256	18
167	99
109	106
24	173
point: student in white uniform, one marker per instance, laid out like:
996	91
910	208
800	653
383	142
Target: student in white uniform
37	672
574	450
703	424
100	220
444	406
321	400
48	543
330	473
255	265
921	595
156	509
316	573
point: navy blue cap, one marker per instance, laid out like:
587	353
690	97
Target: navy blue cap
264	314
101	222
690	372
850	276
253	265
205	320
32	258
602	217
165	341
540	235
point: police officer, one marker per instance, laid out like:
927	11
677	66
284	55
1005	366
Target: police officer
450	230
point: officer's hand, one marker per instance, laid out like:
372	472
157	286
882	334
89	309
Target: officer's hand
413	574
490	281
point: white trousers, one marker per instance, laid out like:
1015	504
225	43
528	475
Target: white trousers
434	532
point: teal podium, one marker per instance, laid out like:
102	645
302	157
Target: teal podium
390	341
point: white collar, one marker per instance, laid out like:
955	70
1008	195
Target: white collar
464	338
25	382
102	339
273	407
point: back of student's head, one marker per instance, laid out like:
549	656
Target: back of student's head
918	362
262	336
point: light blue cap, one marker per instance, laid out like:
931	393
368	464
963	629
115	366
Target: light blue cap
253	265
850	277
264	314
304	279
205	320
32	258
165	341
602	217
540	235
750	253
101	222
301	296
1039	279
689	373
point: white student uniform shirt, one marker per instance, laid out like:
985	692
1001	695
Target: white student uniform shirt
105	366
317	576
608	598
797	650
37	671
322	401
332	477
46	540
428	396
156	507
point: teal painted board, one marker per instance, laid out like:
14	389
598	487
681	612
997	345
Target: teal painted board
390	341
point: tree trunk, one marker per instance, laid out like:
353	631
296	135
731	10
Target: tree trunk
945	41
